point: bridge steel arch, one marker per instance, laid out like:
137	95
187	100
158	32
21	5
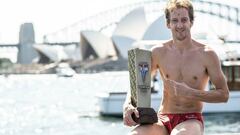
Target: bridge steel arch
110	18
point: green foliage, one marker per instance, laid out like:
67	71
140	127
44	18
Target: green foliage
5	63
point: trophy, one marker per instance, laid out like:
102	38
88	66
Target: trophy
139	65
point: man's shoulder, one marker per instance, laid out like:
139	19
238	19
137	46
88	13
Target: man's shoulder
204	48
207	51
160	48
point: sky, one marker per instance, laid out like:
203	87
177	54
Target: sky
48	16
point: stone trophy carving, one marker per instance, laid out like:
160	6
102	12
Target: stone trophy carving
139	65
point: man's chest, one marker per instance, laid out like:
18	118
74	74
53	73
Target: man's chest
188	68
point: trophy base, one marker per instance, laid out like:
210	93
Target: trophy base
146	116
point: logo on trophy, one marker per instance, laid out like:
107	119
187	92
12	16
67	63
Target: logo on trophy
139	63
143	68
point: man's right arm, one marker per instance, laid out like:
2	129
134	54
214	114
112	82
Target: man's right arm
154	57
158	53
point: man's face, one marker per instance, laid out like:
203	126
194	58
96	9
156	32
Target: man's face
180	24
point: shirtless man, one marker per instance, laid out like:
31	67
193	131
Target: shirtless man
185	66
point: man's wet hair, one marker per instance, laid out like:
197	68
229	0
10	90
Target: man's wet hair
175	4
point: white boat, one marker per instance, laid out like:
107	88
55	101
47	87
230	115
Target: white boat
64	70
111	103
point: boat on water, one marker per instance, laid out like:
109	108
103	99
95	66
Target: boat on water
111	103
64	70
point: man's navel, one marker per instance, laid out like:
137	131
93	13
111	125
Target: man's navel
195	77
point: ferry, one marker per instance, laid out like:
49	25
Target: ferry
111	103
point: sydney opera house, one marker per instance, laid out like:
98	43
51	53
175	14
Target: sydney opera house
133	30
106	37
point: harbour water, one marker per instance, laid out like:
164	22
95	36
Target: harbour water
52	105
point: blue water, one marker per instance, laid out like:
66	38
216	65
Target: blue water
51	105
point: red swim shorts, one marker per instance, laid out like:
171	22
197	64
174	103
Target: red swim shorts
171	120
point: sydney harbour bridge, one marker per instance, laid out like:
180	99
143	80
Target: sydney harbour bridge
106	21
226	16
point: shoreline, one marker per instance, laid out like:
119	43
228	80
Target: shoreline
91	66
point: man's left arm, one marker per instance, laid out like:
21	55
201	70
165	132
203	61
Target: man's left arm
221	92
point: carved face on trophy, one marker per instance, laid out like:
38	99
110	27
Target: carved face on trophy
143	82
144	69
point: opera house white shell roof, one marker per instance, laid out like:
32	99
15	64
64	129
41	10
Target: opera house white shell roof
96	44
157	30
57	53
123	44
133	25
131	28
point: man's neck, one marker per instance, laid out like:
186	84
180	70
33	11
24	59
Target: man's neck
183	45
